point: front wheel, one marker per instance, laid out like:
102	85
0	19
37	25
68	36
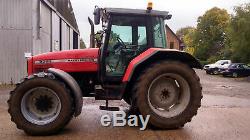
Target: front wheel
40	106
170	92
216	71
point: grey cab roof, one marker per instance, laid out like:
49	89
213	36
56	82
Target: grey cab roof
138	12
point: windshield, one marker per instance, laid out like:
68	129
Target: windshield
159	33
222	62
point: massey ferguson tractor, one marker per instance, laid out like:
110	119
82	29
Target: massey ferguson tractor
127	60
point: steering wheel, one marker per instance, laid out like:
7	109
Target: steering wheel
121	42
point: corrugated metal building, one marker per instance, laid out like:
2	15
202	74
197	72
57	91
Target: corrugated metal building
33	26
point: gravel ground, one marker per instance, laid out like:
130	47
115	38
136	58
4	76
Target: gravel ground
218	85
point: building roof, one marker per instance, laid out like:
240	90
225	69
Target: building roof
168	28
119	11
64	7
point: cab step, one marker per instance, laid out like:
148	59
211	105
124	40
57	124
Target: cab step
108	108
109	92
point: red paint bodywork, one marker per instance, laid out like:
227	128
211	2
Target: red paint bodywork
58	63
135	61
140	58
87	66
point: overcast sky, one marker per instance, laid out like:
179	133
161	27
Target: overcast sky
185	12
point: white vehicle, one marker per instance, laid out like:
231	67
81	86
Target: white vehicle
217	66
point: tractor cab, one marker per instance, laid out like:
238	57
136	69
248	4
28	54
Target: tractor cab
126	34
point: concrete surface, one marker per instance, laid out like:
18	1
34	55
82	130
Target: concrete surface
224	115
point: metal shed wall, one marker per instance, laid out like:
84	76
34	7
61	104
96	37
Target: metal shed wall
64	36
29	26
55	32
71	38
15	38
45	28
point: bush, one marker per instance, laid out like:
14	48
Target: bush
213	59
203	63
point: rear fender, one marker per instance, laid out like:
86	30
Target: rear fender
152	55
74	87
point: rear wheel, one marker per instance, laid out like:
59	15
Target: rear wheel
170	92
40	106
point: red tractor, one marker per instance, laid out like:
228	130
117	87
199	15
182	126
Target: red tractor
127	60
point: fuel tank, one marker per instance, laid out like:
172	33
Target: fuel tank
85	60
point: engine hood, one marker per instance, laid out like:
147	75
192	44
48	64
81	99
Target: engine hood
84	60
68	54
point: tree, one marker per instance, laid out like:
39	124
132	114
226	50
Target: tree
239	34
210	35
113	38
187	34
184	31
82	44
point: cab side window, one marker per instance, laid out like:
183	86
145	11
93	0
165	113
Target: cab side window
119	36
128	39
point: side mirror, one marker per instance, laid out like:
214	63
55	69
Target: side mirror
97	15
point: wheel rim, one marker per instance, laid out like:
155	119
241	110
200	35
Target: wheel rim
168	95
40	106
216	72
235	75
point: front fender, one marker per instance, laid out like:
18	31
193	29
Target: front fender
73	85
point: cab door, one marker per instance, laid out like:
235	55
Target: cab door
127	39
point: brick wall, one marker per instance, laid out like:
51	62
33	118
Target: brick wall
172	40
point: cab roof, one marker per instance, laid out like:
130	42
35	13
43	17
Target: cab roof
137	12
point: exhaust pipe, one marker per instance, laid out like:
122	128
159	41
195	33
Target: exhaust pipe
92	34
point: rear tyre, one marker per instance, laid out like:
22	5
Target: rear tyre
40	106
170	92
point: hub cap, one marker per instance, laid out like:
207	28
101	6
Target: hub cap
168	95
40	106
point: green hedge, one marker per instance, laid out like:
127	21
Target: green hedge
203	63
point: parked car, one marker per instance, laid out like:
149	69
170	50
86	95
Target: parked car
237	70
217	66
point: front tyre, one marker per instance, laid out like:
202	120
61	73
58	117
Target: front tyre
215	71
170	92
40	106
